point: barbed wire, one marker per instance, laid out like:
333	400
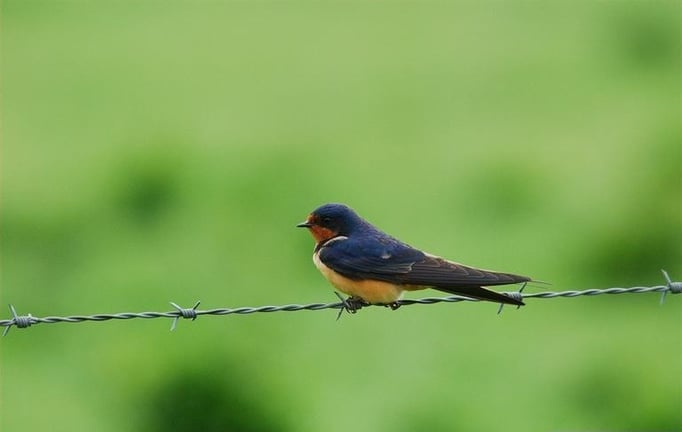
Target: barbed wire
348	305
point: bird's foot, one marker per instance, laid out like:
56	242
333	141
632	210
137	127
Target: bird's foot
395	305
350	304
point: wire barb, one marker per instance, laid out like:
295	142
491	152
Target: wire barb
21	321
185	313
350	305
673	287
516	295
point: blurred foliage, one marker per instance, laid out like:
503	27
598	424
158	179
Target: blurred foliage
156	152
205	399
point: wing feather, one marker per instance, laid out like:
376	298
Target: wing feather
438	272
387	259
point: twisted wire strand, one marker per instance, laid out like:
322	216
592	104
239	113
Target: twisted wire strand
24	321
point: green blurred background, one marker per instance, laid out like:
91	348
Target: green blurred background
164	151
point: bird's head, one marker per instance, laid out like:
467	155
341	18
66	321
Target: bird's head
331	220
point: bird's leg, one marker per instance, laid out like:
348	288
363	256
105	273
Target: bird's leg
351	304
354	304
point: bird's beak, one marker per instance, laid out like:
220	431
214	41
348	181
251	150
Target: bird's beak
305	224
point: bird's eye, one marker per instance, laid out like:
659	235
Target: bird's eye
326	220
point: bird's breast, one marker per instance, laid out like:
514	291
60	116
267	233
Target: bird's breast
370	290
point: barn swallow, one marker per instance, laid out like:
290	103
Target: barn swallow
372	267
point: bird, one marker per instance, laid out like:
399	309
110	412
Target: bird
373	267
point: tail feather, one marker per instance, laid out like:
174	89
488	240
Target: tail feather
481	293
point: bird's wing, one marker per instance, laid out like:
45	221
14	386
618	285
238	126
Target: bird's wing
392	261
382	259
440	273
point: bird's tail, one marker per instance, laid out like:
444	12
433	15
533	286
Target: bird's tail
481	293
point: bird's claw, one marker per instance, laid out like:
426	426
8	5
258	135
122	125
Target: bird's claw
395	305
350	304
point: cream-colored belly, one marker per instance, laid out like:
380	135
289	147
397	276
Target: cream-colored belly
371	291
